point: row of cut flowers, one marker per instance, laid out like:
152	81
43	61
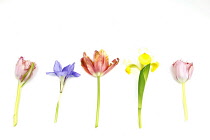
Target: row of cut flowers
98	67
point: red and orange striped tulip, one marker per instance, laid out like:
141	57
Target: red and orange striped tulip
100	65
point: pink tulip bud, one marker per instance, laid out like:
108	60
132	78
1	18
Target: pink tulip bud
182	71
24	69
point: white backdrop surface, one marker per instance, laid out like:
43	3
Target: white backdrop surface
47	30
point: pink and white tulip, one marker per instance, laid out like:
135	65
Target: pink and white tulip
182	71
23	72
24	69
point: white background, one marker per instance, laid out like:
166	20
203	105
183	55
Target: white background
47	30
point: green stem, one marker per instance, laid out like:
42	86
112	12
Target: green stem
57	109
62	82
139	118
184	102
98	102
140	96
15	117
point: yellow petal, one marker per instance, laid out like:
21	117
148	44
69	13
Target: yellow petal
145	59
128	68
154	66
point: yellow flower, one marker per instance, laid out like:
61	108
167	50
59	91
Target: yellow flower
144	59
144	65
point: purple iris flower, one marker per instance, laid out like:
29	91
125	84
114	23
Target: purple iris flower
66	72
63	74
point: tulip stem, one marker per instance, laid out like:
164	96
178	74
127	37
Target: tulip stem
184	102
98	102
15	117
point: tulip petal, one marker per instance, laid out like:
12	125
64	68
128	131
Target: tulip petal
19	70
97	58
182	73
96	55
112	65
105	60
83	64
88	64
98	63
190	70
101	61
22	68
29	73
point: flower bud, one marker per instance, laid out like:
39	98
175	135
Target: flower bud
24	69
182	71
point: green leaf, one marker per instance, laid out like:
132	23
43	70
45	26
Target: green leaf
142	82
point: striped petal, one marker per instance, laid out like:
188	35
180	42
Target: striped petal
83	64
101	61
88	64
112	65
105	60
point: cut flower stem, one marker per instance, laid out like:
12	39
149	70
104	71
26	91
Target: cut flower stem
184	102
15	117
98	102
57	109
62	82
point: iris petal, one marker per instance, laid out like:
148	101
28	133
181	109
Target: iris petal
71	68
50	73
154	66
66	68
128	68
75	74
145	59
57	66
60	73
